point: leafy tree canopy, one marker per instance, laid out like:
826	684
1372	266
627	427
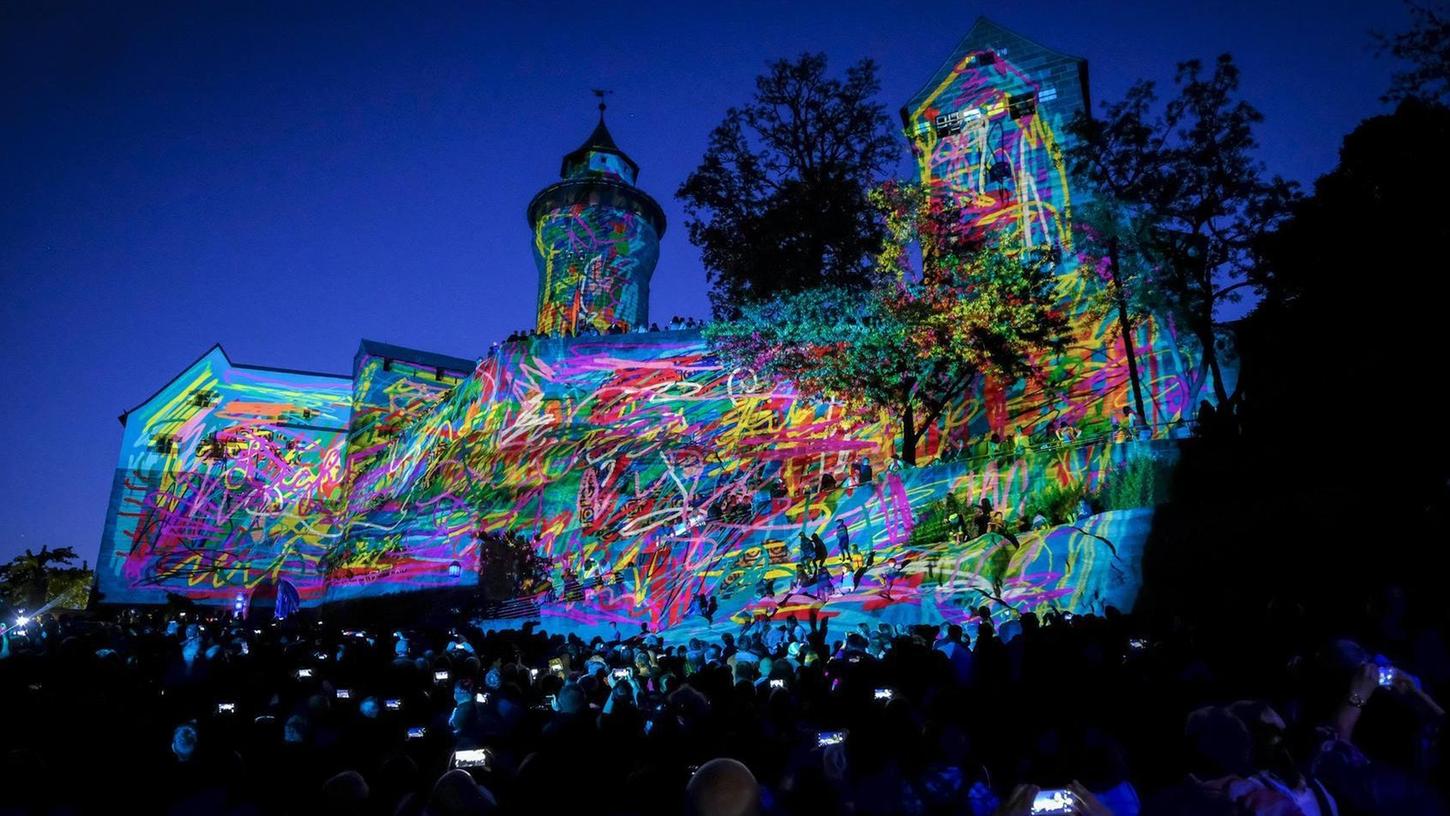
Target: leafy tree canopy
778	203
916	343
1426	49
1191	199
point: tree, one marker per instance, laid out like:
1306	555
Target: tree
30	580
778	204
1356	300
1186	181
920	341
1426	47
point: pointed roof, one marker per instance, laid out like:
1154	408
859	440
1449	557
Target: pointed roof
986	34
598	142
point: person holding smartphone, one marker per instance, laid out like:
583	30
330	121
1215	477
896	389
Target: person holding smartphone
466	721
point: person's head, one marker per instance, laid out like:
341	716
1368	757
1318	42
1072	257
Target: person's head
346	793
295	730
570	699
369	708
463	690
722	787
183	742
954	633
456	794
1219	743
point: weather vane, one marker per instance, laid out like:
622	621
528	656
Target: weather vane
601	93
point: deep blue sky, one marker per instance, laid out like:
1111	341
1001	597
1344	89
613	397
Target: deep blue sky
287	178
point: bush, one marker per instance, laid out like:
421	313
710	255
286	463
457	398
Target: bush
1057	502
1141	482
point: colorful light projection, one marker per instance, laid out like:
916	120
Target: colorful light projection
988	134
637	458
594	268
229	477
643	462
596	242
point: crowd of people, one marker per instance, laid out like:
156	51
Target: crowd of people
589	329
168	711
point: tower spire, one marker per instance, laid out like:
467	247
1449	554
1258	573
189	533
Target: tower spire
601	93
596	239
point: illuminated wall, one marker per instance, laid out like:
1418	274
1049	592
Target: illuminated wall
227	477
594	264
643	455
639	452
596	242
988	133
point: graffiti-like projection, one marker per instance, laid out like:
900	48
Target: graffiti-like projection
229	477
596	241
594	268
642	474
988	133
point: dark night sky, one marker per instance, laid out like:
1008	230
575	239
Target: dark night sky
287	178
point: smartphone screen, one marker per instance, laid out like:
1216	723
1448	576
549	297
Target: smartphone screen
344	694
303	674
884	694
417	732
226	708
481	697
475	758
1387	676
1053	802
620	674
777	683
440	677
393	704
824	738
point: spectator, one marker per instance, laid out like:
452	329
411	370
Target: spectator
723	787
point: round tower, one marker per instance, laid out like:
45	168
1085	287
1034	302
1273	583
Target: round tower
596	241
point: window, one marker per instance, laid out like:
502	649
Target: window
1021	105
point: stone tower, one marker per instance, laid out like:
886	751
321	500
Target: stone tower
596	241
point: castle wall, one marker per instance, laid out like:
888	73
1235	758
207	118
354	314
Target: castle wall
228	476
641	459
595	260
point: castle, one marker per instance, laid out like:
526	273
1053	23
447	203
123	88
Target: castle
639	458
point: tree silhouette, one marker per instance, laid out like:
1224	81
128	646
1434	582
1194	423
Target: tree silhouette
1186	181
778	203
26	580
1426	47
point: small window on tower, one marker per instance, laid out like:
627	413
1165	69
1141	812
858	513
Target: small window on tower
1021	105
